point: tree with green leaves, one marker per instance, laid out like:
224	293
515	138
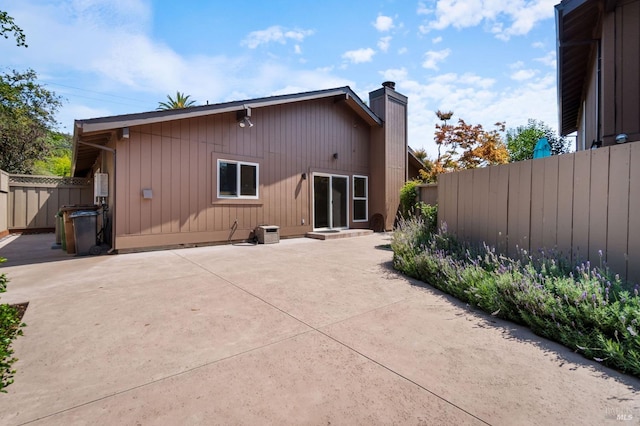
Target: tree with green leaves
58	163
27	115
180	101
522	140
8	26
466	146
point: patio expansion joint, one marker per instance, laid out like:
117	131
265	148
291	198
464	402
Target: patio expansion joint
339	342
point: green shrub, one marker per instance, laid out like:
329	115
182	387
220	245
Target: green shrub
582	307
10	328
408	196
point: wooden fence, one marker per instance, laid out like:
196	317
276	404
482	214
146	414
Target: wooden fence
583	204
428	193
33	201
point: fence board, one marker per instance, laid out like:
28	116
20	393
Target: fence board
598	203
618	209
550	203
564	237
581	192
33	201
633	250
579	203
537	202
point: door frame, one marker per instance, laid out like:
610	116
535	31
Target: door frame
313	201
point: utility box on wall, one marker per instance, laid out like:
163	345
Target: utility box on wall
268	234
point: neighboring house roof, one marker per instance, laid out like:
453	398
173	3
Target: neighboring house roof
576	21
84	155
413	160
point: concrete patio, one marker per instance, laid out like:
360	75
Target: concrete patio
300	332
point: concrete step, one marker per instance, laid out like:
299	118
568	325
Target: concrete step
343	233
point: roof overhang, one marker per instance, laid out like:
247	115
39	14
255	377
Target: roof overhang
576	26
99	131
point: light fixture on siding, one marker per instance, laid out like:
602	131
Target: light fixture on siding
335	155
243	117
622	138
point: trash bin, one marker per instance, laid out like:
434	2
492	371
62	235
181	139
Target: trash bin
68	240
84	231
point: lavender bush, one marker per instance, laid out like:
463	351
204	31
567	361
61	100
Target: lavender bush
583	307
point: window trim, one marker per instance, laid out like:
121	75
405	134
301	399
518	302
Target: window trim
365	198
238	180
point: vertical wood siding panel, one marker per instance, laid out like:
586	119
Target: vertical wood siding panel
633	250
550	203
194	181
166	185
156	184
121	191
598	203
618	209
144	205
608	76
630	66
185	213
175	184
204	185
133	213
581	191
565	205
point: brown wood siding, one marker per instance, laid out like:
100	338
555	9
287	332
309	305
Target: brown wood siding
178	162
620	81
395	157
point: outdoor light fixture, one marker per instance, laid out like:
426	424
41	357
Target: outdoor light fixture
622	138
304	176
596	144
243	117
335	156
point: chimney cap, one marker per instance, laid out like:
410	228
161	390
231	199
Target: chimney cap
390	84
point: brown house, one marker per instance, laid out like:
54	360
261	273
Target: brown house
599	70
319	160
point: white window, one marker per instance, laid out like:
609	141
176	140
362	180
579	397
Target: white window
360	198
237	179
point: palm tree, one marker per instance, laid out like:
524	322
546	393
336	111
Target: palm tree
181	101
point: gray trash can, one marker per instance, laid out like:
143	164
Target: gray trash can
85	225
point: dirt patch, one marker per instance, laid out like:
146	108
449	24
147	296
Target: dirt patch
21	308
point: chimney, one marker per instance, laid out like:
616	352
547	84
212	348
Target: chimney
390	84
388	153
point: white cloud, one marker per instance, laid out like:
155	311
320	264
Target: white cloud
436	40
549	59
274	33
423	9
297	49
505	19
522	75
474	98
360	55
434	57
537	45
394	74
383	23
402	50
383	43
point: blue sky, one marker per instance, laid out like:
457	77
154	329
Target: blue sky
486	60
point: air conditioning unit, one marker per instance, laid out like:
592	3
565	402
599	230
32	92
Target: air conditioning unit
101	185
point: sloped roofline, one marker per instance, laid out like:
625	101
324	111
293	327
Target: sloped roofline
129	120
